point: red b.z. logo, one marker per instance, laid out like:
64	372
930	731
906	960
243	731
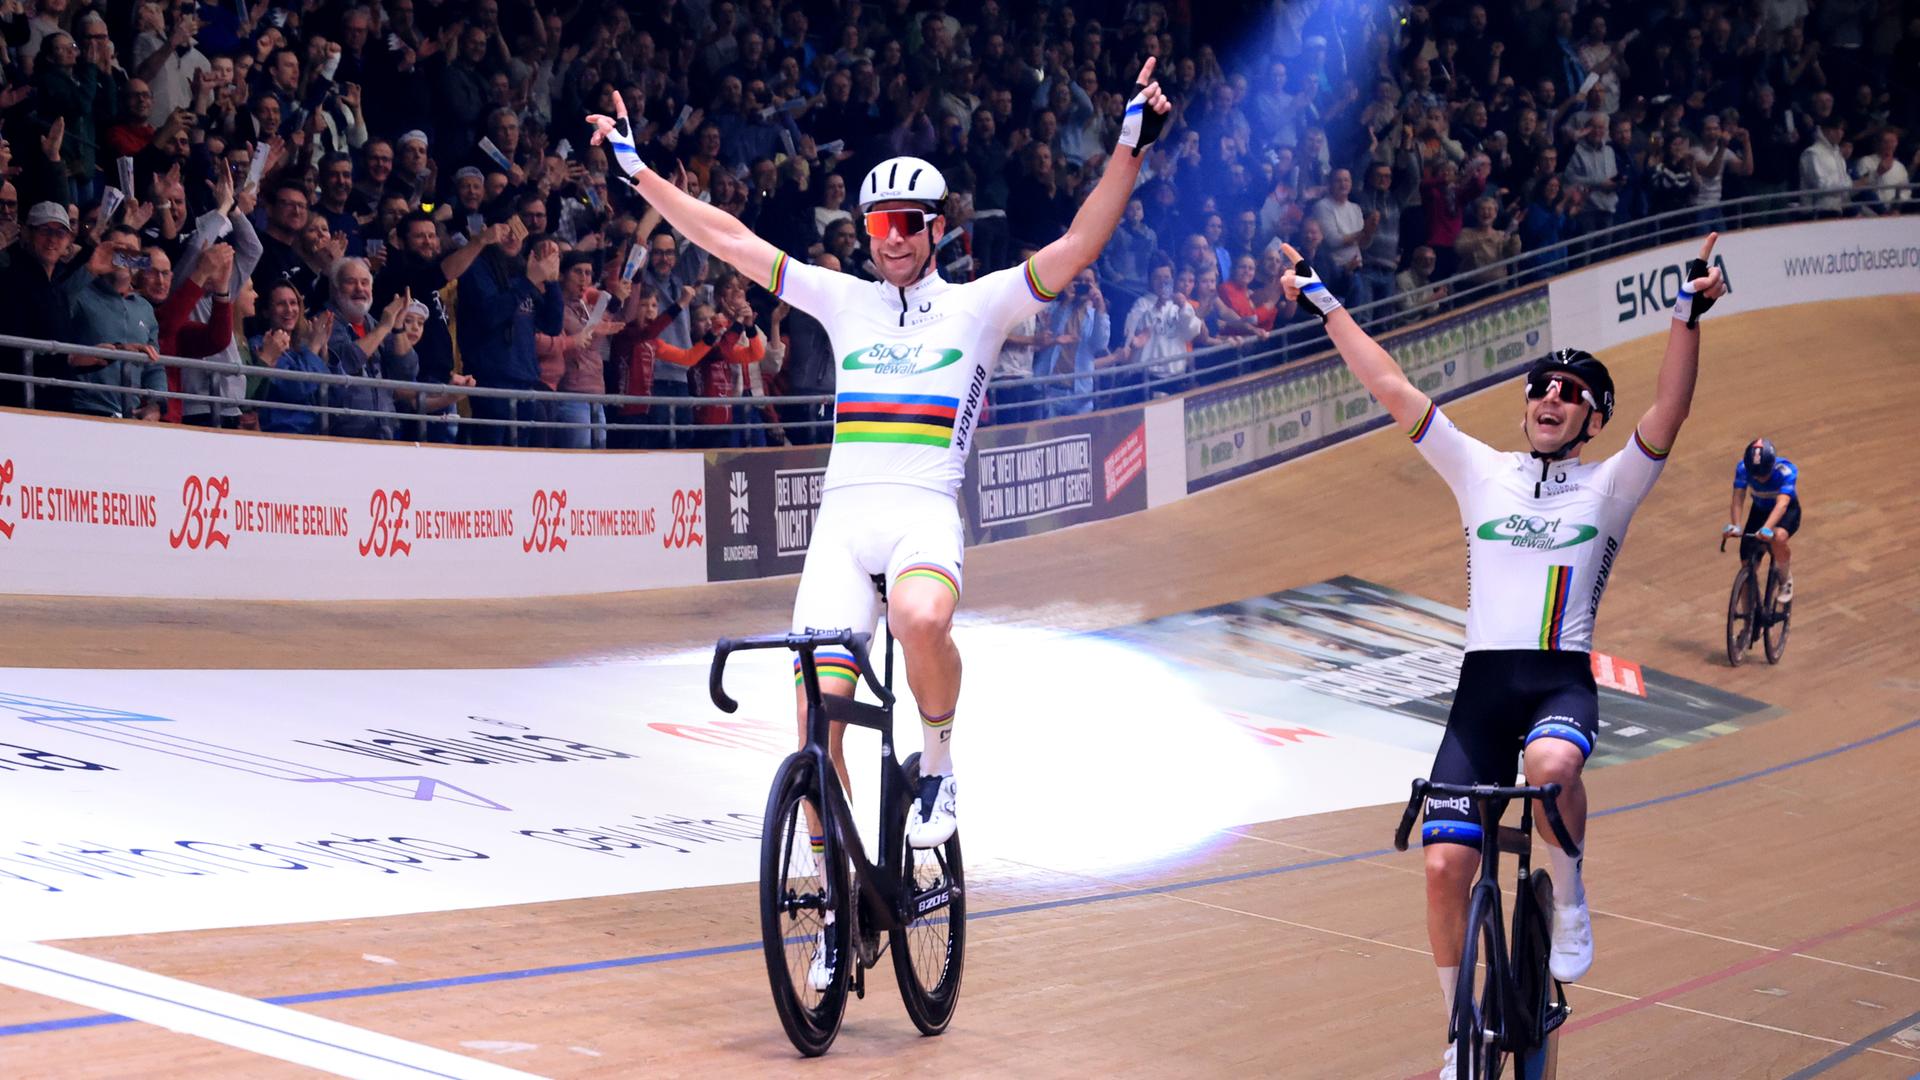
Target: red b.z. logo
548	506
200	498
6	477
387	511
686	519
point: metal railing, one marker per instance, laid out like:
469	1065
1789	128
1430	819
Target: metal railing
1269	350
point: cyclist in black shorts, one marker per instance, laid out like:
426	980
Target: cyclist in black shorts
1544	529
1775	515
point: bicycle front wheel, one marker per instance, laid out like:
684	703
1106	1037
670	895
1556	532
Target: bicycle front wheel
1740	615
1535	1003
1479	1000
1774	636
929	949
805	911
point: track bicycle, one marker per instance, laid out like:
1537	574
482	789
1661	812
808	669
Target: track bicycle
1506	1003
837	900
1754	613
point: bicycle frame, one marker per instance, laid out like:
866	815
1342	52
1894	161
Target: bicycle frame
886	903
1520	1031
1753	551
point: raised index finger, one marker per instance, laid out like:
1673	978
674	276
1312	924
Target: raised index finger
1146	71
1706	246
1292	256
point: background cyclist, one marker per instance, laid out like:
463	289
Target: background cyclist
1543	531
916	352
1775	516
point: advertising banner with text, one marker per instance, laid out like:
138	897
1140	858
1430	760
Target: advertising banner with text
1632	297
1032	478
1250	425
106	508
764	503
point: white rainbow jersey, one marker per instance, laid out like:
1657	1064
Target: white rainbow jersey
911	366
1541	542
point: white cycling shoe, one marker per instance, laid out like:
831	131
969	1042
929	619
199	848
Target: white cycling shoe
931	821
1572	954
820	972
1449	1069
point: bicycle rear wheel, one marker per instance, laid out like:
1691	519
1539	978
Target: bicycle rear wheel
1774	635
1479	1004
928	952
804	907
1740	615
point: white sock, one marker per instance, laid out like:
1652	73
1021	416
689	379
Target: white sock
936	744
1449	979
1568	889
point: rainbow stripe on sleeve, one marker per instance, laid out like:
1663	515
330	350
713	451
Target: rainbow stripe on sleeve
1040	292
1648	448
778	280
1419	430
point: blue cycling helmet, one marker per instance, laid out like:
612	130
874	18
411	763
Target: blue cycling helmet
1760	458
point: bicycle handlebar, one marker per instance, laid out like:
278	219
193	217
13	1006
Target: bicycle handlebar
1547	794
811	639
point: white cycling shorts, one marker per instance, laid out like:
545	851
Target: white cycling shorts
898	530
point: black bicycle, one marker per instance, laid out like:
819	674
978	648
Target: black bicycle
1755	612
1506	1003
822	914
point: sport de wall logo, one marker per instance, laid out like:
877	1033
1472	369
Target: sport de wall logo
886	359
1535	532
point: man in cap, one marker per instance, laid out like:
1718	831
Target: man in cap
36	307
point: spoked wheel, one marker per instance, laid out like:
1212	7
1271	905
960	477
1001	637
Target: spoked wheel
1741	615
928	952
1536	1002
1479	1010
805	908
1774	633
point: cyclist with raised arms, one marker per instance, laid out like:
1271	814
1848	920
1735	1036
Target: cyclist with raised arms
1775	517
1543	531
916	353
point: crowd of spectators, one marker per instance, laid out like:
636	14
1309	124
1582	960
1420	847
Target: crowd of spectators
407	189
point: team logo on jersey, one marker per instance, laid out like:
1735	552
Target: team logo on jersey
1538	533
884	359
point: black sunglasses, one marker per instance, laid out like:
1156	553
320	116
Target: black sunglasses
1557	383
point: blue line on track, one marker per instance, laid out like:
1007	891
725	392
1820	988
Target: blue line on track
95	1020
1864	1044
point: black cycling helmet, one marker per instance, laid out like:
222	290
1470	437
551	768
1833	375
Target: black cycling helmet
1581	365
1760	458
1584	366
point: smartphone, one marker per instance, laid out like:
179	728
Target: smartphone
132	262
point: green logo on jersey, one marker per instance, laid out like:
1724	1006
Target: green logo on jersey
1541	534
885	359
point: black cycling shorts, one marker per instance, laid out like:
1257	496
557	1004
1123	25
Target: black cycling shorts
1790	521
1507	698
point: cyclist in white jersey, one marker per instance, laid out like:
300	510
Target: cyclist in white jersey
1544	530
916	353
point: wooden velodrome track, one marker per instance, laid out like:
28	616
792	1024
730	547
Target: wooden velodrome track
1757	900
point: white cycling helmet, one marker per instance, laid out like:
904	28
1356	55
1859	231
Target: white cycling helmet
903	178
